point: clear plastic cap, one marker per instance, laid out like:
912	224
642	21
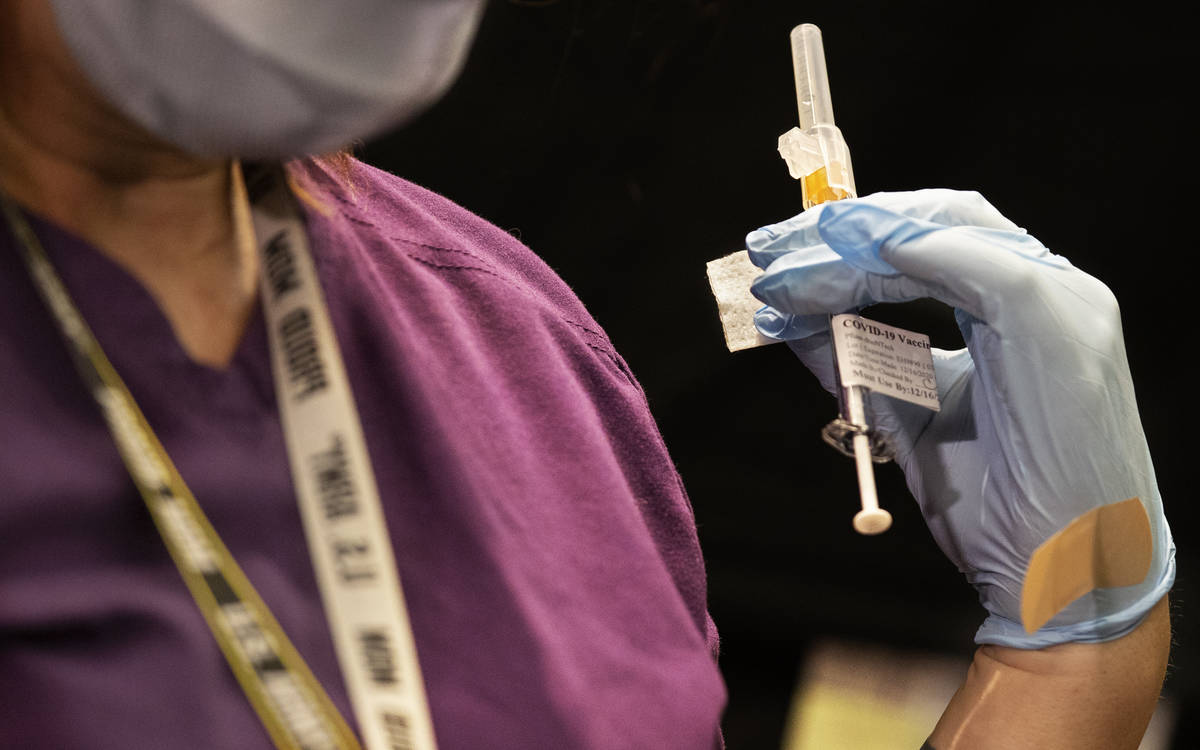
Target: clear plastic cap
812	80
815	152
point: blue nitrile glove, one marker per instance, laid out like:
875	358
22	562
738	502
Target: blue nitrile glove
1038	425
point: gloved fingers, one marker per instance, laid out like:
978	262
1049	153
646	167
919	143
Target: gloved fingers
904	422
816	353
787	327
950	367
984	271
940	206
817	281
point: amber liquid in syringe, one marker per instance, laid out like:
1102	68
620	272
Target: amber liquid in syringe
815	189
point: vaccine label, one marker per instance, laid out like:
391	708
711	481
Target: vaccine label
885	359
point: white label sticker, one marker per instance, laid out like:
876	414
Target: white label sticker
885	359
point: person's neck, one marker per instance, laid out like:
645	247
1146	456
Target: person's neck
167	217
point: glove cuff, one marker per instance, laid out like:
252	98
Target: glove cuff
1002	631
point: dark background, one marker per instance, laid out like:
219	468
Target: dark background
630	141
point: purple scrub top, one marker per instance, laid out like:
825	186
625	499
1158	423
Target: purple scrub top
546	546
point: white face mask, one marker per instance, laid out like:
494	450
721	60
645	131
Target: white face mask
269	78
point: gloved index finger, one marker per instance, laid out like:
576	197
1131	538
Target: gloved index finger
976	269
937	205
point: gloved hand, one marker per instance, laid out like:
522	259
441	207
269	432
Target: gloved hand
1038	440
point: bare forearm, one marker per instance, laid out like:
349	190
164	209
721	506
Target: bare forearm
1095	696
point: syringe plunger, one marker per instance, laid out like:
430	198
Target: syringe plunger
816	153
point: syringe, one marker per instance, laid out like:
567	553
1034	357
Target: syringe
815	152
817	155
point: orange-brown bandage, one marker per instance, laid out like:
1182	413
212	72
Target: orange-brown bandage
1105	547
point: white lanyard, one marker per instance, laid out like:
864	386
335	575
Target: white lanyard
339	502
335	486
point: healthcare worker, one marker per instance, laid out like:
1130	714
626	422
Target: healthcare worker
299	454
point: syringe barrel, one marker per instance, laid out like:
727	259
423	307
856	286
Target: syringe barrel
812	80
815	152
